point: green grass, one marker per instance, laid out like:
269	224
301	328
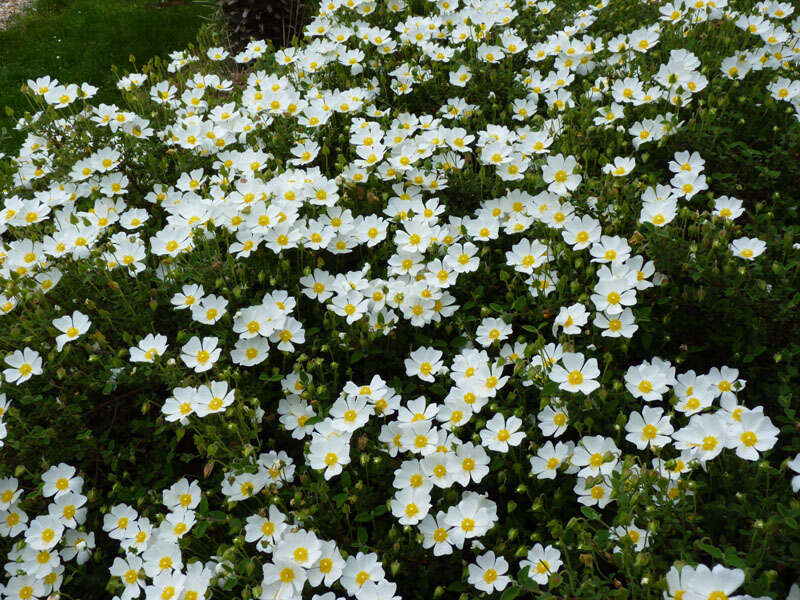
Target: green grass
79	40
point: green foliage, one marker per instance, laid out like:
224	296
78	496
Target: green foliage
96	409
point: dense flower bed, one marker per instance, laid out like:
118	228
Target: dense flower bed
455	299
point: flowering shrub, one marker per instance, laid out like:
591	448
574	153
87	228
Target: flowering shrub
454	300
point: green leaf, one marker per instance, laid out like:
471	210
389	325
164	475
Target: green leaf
715	552
550	389
590	513
525	581
733	559
511	593
202	508
458	342
200	528
362	536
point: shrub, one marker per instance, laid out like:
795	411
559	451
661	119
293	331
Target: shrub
275	20
448	301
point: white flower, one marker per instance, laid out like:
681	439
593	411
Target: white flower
571	318
558	174
542	562
719	582
650	428
620	167
491	330
549	458
436	535
212	398
200	355
500	433
599	493
425	363
489	573
747	248
640	538
706	435
752	433
794	465
553	420
149	348
24	364
597	455
410	505
577	374
72	327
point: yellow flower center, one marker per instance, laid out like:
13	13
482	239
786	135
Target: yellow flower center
649	432
179	529
709	443
300	555
542	567
749	438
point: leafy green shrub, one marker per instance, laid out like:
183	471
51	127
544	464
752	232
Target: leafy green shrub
448	301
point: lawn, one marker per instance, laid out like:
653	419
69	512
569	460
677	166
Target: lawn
79	40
